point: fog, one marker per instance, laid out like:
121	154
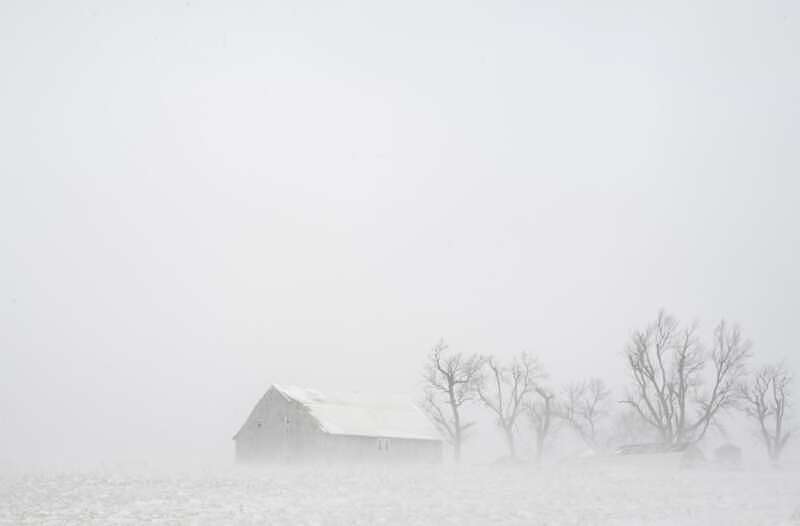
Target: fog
198	200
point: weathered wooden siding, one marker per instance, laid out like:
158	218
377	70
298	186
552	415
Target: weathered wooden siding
277	429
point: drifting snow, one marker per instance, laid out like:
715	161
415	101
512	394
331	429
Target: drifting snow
594	495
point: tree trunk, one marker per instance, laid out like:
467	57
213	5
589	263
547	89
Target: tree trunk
774	450
512	448
540	436
456	422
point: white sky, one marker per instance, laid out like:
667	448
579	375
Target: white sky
198	199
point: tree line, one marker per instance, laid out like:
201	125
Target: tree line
679	387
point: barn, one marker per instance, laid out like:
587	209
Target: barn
295	424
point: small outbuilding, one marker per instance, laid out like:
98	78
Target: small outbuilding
295	424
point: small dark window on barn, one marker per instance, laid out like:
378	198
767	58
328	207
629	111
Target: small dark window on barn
258	424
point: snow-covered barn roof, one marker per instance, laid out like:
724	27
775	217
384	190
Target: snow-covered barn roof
353	414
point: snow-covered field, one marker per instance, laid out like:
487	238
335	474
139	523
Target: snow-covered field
585	495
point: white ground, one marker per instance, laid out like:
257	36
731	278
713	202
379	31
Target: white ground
595	494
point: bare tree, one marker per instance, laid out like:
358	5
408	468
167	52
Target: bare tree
450	381
667	362
506	389
766	401
541	410
585	405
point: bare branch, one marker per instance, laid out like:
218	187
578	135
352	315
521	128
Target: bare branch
451	380
505	391
667	363
585	404
766	400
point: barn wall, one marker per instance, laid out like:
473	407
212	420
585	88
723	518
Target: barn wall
267	435
374	449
